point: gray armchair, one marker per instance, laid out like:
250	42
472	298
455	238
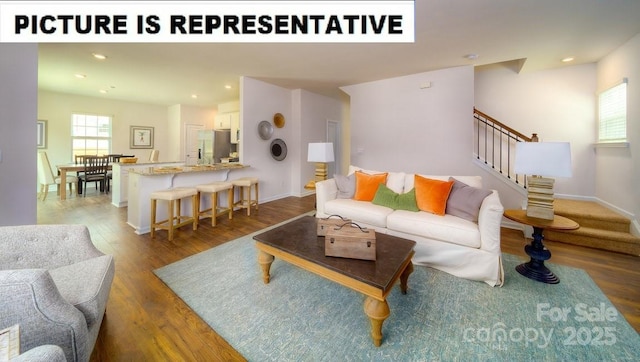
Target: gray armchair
55	284
46	353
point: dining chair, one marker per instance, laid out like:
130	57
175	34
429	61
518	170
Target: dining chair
79	160
112	158
46	176
95	170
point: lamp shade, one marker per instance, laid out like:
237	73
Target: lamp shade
552	159
320	152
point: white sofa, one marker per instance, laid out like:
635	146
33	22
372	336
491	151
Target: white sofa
449	243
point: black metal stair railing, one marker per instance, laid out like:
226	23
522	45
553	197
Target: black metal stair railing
495	143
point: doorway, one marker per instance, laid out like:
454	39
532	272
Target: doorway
191	143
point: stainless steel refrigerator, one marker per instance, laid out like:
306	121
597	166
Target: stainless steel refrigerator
214	145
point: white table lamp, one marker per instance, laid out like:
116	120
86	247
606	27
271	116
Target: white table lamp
321	154
536	160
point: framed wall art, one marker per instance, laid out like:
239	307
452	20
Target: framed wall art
141	137
41	127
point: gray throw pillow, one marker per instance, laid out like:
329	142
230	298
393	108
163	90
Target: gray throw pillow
465	201
346	186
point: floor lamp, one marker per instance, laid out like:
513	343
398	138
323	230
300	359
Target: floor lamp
538	159
321	154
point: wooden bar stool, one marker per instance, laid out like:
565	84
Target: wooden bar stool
245	201
216	210
175	219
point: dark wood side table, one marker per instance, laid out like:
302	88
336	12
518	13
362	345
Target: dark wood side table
535	268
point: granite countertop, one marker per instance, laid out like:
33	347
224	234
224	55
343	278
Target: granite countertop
163	170
148	163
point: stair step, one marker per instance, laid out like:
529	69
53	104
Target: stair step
600	227
591	214
622	242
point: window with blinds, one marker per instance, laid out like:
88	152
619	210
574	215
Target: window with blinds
612	105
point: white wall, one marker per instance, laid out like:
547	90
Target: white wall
305	120
397	126
618	169
57	108
314	112
558	105
259	101
18	99
168	124
174	130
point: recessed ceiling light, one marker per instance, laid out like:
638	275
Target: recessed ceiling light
227	86
471	56
568	59
104	91
99	56
194	96
80	76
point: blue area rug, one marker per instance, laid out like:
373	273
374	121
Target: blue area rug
300	316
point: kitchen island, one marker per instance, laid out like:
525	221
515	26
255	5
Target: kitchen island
120	178
143	181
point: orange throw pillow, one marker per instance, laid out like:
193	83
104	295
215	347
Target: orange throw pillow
432	195
367	185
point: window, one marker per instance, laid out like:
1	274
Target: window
90	134
612	105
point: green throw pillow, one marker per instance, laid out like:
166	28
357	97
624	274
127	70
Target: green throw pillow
386	197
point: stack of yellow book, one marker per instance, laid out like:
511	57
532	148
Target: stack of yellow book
540	197
321	171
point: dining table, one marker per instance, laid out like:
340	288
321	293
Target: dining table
69	167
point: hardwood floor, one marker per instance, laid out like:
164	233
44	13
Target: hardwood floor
145	320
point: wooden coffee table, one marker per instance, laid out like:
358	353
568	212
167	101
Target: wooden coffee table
297	243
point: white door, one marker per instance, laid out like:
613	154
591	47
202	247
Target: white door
191	142
333	136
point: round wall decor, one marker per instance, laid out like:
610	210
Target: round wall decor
265	130
278	120
278	149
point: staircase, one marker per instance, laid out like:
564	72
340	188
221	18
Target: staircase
600	227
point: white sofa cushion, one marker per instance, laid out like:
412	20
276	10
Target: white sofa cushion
447	228
359	211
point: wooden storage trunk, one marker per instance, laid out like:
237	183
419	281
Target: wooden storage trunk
350	241
328	222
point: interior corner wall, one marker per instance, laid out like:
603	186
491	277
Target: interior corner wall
174	133
18	102
557	104
315	110
618	169
399	124
260	101
296	124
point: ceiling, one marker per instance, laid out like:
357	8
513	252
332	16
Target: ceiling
537	33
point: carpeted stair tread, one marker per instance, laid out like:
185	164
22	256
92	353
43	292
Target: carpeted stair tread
600	227
598	238
586	210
